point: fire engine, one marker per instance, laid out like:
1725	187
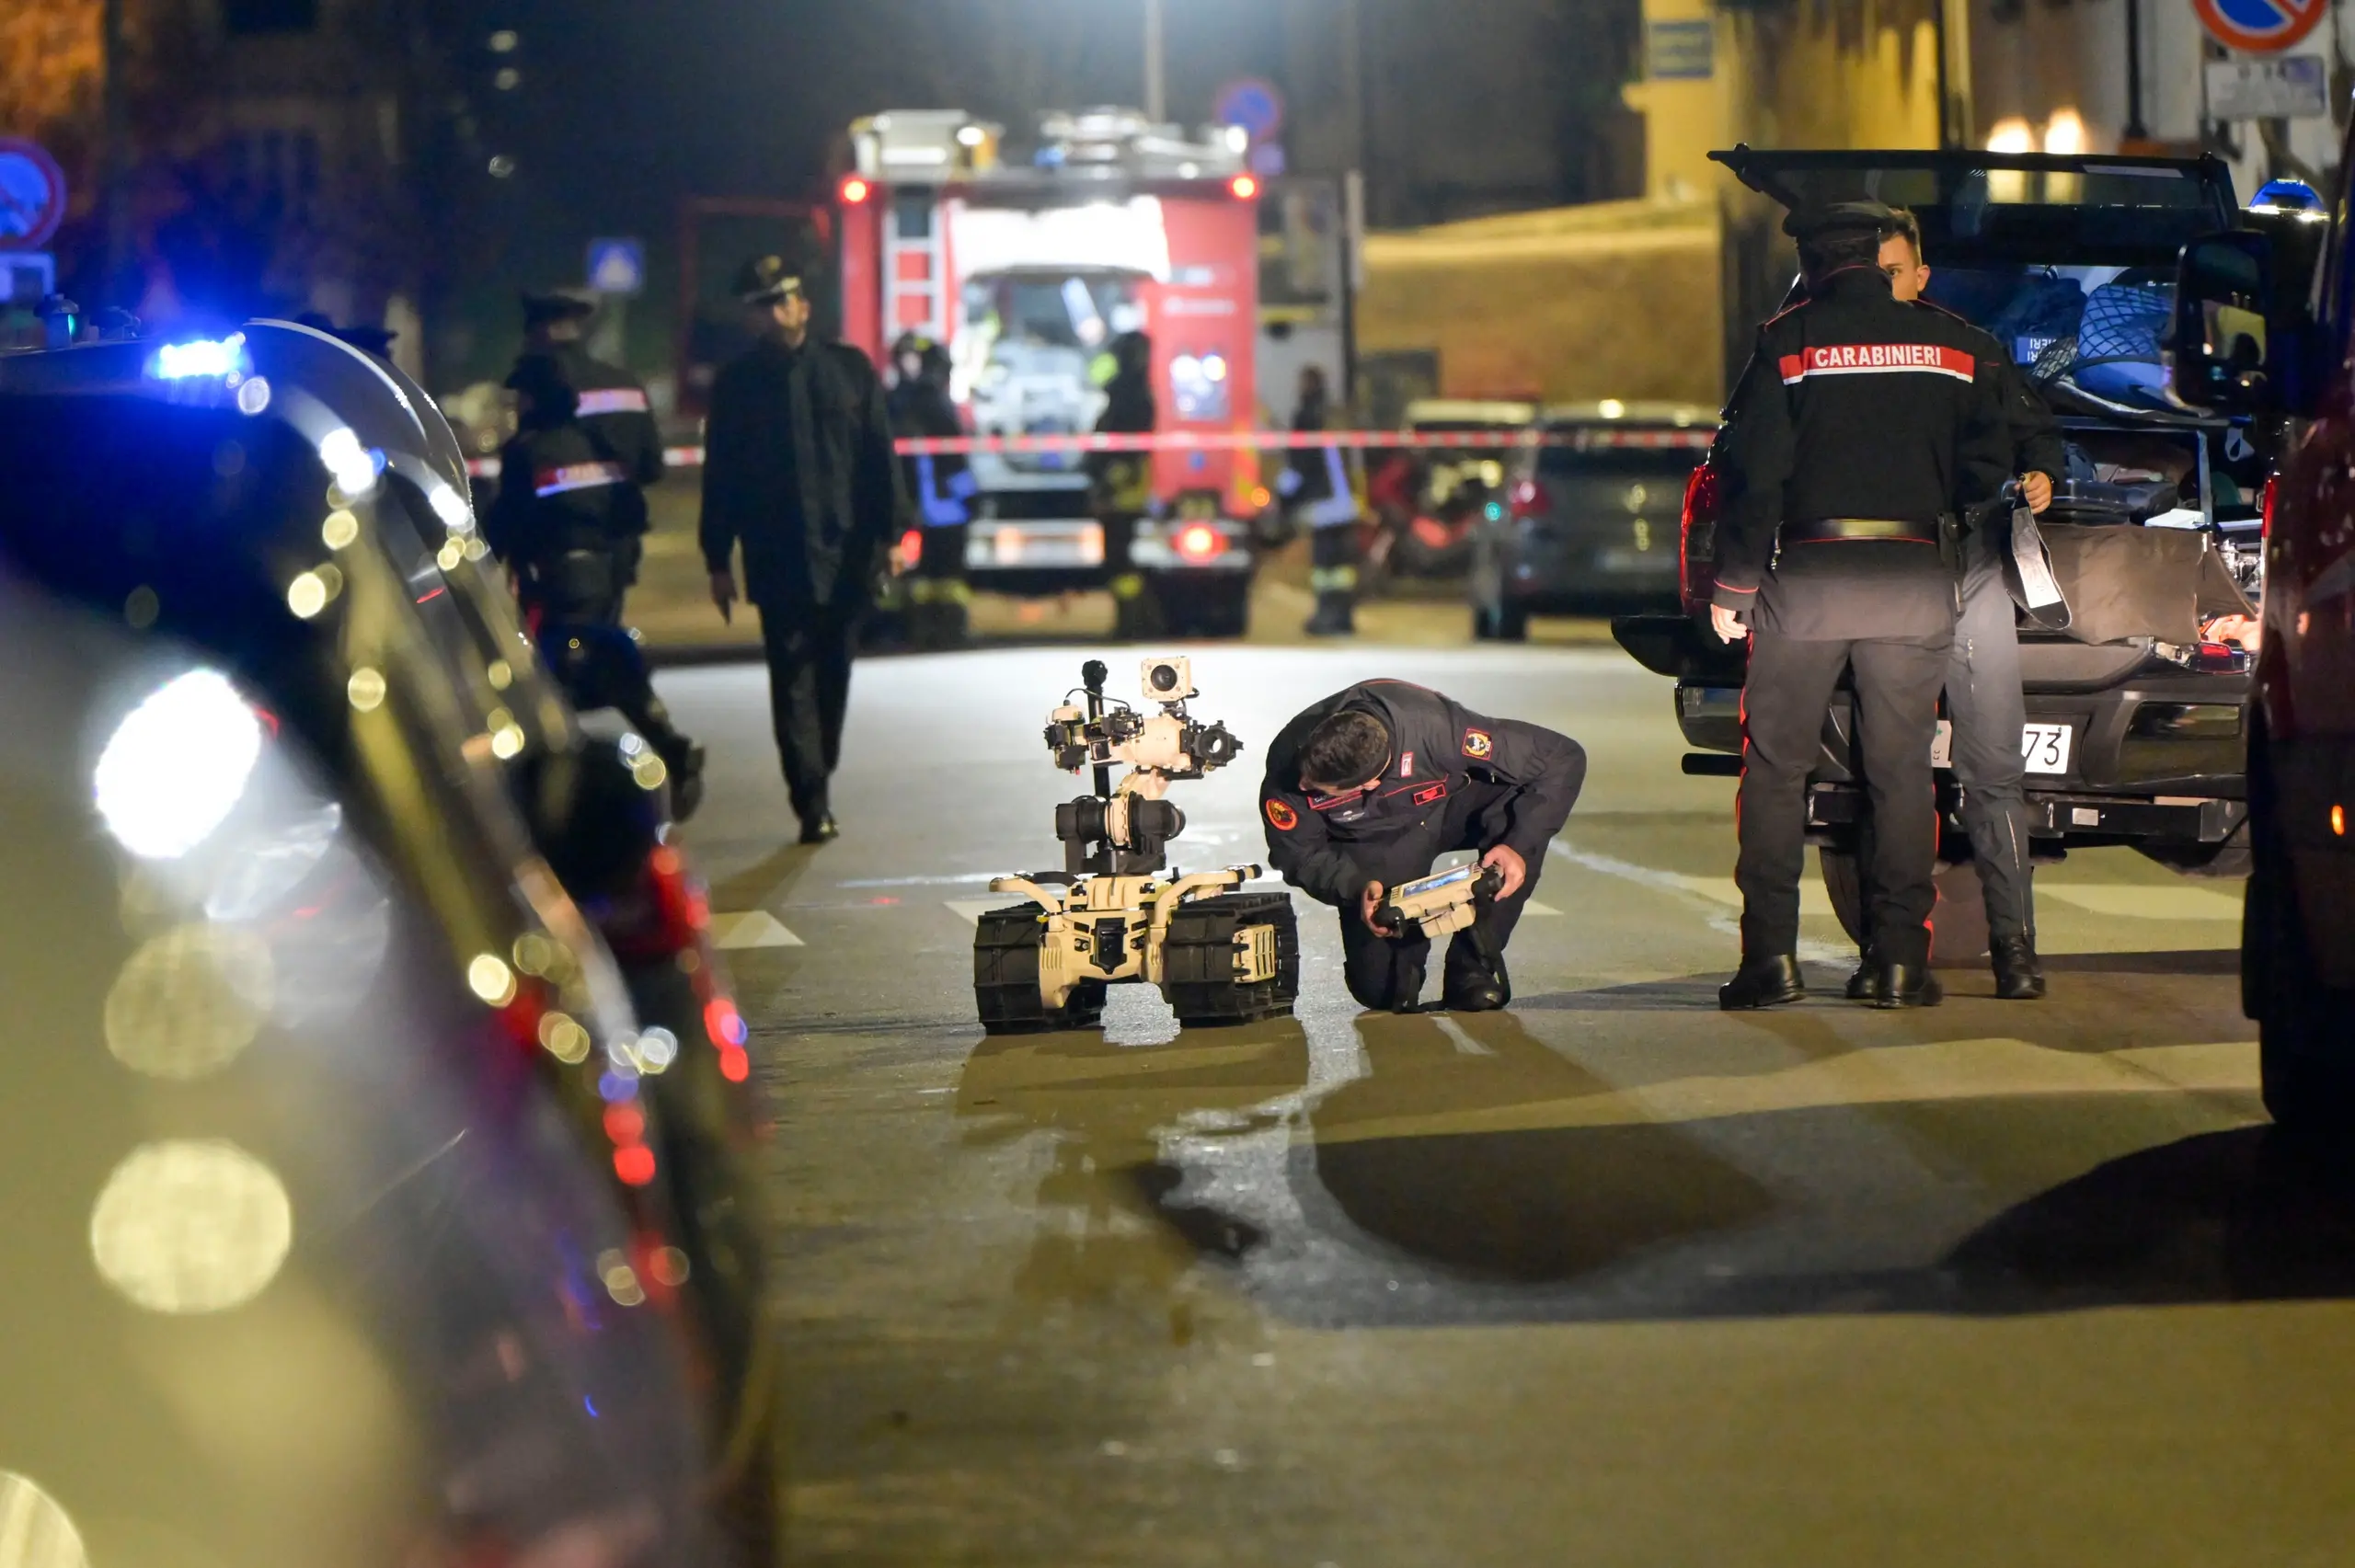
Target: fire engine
1034	274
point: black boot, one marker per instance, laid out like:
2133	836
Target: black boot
1860	984
685	764
1477	987
2019	976
1903	985
1763	982
1336	616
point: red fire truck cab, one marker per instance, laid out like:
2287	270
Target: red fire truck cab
1031	273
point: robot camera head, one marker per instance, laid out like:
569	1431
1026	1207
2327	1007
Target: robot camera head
1168	679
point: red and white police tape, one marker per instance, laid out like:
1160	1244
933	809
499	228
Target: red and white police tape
1587	437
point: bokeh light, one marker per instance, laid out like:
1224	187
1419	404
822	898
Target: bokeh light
189	1226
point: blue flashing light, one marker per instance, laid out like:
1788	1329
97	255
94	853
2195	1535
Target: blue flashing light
2288	195
222	359
588	1403
1496	510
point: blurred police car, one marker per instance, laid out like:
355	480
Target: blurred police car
299	512
305	1264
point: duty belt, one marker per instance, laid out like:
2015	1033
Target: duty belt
1834	528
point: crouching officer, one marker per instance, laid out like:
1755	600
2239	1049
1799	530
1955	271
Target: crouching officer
1862	428
1370	787
568	523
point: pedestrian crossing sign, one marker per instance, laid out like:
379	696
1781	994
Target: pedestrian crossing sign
617	266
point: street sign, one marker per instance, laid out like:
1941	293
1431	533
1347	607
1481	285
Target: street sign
1682	51
1253	105
2259	27
2293	87
617	266
32	195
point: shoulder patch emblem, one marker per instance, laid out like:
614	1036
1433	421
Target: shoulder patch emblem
1476	743
1281	818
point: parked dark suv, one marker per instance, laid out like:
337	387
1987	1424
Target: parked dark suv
2257	333
2134	732
1591	515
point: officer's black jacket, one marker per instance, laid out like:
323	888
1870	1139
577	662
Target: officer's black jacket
614	406
1855	406
1438	749
798	467
559	489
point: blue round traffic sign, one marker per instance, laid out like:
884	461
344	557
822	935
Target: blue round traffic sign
1255	106
32	195
2261	26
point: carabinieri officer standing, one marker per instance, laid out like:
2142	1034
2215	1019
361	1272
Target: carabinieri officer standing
1861	430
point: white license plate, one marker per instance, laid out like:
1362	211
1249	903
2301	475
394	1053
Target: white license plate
2045	748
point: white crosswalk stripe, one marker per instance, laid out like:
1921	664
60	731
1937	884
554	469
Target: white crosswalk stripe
754	928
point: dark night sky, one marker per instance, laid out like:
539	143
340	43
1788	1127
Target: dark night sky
632	106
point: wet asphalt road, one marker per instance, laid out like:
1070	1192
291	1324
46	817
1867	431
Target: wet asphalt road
1611	1280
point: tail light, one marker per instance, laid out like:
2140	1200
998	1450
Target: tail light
911	550
1529	501
1243	187
1200	542
1696	575
2272	482
856	191
667	915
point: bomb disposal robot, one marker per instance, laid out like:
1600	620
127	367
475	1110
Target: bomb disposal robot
1112	916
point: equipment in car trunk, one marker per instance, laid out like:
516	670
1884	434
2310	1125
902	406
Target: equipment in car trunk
2123	582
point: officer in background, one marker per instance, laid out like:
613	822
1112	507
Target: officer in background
614	404
1367	788
1984	699
943	485
1123	481
567	524
1859	431
1315	484
800	470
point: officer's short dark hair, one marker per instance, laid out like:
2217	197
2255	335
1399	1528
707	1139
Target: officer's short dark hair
1347	750
1911	227
1823	254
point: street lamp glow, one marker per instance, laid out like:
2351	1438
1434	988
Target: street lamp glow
2065	133
2011	135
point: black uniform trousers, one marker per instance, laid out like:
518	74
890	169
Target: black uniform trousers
1388	973
808	649
1989	709
1791	685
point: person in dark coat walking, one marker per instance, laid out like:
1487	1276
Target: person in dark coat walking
1367	788
1860	430
799	471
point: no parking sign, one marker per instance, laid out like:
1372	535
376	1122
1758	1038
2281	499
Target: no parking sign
2259	27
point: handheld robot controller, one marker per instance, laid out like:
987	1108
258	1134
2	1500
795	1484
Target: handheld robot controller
1113	915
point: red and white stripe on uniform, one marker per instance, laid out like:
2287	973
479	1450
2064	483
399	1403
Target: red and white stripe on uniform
1880	358
613	400
578	477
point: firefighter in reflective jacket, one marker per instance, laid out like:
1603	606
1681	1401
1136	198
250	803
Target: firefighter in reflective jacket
943	485
1863	427
1123	481
1315	485
1367	788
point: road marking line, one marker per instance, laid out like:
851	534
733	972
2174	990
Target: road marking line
971	911
1534	908
1713	898
1998	1068
2144	903
755	928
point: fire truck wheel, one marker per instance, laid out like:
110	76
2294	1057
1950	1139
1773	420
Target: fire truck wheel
1201	954
2305	1065
1006	945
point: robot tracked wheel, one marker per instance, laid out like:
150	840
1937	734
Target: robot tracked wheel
1114	916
